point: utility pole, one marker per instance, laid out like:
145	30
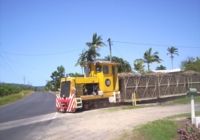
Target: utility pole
109	43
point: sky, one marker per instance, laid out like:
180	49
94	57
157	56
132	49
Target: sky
36	36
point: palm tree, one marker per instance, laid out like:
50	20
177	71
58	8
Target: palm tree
139	65
96	42
172	51
82	58
91	53
150	57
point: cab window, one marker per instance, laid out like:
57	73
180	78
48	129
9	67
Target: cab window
98	68
105	69
65	89
114	70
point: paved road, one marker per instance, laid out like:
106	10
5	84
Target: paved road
37	104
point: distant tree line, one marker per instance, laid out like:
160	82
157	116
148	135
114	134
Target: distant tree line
191	64
7	89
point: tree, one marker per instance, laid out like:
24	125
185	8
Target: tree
161	67
124	66
96	42
150	57
49	85
189	60
87	55
191	64
139	65
172	51
75	74
54	83
82	58
91	53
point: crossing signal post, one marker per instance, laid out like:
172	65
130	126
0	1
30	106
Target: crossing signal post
192	92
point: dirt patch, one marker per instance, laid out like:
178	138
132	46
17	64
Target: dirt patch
101	124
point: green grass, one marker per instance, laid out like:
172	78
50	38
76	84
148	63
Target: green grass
9	88
158	130
184	115
183	100
165	129
13	97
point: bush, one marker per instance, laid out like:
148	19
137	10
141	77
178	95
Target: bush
189	132
8	89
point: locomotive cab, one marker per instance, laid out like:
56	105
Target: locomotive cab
100	79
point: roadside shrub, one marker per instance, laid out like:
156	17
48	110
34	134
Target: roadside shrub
189	132
7	89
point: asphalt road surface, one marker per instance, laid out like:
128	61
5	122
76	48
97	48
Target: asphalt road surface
15	118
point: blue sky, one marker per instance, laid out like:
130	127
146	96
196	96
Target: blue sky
36	36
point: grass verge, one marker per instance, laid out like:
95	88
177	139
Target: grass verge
183	100
14	97
157	130
184	115
180	100
165	129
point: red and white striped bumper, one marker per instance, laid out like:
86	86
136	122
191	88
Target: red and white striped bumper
66	104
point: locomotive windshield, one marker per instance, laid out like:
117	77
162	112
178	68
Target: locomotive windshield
65	89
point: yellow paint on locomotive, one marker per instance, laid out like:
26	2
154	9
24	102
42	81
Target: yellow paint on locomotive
103	74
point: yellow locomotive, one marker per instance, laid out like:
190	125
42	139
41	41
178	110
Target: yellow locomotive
97	88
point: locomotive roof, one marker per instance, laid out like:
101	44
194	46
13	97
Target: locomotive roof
101	62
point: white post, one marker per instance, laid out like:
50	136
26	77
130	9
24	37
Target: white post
192	110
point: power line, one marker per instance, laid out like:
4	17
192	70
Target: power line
154	44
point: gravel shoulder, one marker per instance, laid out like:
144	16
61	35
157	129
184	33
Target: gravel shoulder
104	124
